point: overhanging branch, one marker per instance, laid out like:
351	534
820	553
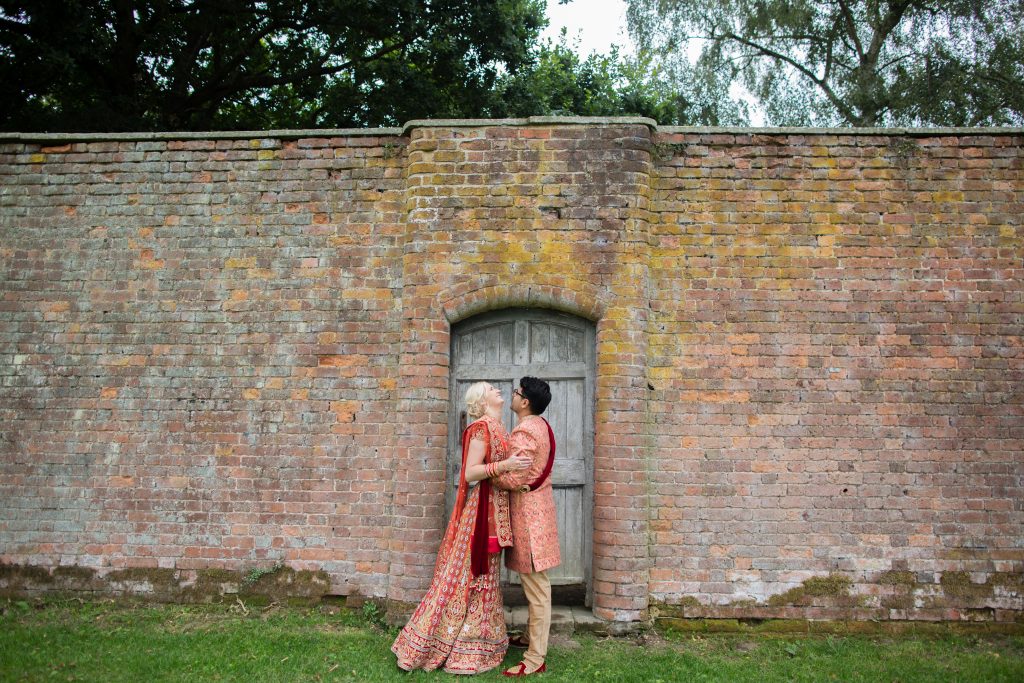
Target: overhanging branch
822	85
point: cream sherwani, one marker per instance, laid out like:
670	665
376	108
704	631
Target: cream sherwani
534	519
534	532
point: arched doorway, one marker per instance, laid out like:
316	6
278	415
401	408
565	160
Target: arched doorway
502	346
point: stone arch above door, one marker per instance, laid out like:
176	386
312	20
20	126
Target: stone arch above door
582	300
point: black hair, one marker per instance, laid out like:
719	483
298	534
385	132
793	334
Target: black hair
537	392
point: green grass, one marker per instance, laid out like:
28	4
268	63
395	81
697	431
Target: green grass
107	641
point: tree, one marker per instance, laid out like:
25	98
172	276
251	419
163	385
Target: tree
114	65
557	82
853	62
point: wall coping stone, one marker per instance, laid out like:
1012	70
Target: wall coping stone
291	134
534	121
796	130
141	136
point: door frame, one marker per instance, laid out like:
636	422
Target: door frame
521	315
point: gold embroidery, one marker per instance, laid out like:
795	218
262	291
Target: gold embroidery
460	623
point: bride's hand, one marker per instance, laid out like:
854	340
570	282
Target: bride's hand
519	462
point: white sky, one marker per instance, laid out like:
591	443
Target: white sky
598	24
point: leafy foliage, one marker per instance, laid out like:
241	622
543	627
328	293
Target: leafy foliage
257	573
111	65
560	83
852	62
222	64
374	615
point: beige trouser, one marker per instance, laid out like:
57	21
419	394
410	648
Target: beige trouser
537	587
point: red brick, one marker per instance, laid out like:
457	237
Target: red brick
807	352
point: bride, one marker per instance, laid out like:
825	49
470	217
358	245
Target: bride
460	623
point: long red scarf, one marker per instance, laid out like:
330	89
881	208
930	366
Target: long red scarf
478	551
551	460
460	503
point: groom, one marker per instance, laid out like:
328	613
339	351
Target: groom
532	511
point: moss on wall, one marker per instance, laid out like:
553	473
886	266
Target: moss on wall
281	584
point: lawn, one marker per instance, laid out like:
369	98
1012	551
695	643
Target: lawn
117	641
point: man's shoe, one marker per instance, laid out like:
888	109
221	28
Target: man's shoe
521	670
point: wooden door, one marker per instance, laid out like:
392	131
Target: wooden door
500	348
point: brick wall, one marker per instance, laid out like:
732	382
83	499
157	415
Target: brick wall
837	361
198	354
222	353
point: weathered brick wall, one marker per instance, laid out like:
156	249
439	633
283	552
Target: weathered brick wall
837	362
218	354
197	360
552	216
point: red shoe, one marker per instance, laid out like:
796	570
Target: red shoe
522	670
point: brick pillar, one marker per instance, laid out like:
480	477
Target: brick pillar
422	393
535	213
618	165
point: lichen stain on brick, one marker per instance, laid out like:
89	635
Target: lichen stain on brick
959	584
283	584
899	590
834	588
13	576
897	578
901	586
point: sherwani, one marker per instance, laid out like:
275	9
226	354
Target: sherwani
534	520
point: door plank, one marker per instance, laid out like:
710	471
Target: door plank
546	371
538	343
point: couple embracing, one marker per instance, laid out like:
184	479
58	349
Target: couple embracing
505	500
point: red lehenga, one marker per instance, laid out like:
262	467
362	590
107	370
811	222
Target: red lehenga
460	623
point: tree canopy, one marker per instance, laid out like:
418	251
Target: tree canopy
851	62
116	65
219	64
559	82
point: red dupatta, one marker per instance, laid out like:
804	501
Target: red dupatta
478	551
551	460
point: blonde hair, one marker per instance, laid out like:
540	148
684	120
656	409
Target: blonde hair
475	403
